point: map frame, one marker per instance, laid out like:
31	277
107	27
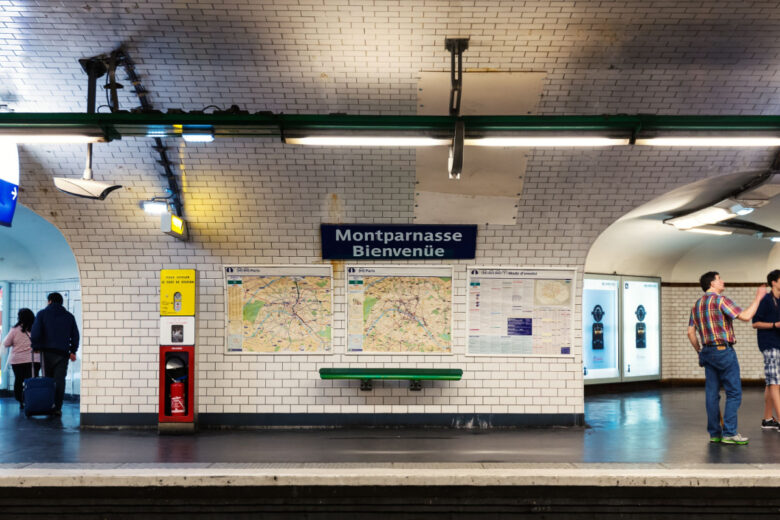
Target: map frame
305	270
400	267
570	269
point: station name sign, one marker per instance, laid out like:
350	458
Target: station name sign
398	242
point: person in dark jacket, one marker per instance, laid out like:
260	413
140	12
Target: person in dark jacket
56	335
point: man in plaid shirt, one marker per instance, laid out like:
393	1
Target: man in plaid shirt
711	320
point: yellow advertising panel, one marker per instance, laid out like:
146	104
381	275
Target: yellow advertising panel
177	292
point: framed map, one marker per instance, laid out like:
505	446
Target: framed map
520	311
279	309
399	309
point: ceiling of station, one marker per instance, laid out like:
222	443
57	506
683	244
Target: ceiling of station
355	57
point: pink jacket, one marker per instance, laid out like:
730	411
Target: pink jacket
20	341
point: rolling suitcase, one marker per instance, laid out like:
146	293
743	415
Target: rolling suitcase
38	392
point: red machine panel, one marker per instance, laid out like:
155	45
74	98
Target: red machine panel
177	384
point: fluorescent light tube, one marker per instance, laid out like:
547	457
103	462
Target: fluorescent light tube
49	139
546	141
758	141
367	141
198	138
708	231
711	215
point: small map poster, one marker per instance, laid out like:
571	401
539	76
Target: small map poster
517	311
397	309
279	309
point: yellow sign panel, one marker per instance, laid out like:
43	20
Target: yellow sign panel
177	292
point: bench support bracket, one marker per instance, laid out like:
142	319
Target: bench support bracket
415	385
365	385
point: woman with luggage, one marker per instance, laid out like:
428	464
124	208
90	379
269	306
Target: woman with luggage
21	354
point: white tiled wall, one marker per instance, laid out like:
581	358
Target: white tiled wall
679	359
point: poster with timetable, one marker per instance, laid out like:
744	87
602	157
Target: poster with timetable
520	312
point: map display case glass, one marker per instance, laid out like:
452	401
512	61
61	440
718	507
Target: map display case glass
399	309
641	326
520	311
279	309
600	323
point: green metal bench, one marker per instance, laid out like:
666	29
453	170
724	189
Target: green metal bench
415	376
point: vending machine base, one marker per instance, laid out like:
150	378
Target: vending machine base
176	428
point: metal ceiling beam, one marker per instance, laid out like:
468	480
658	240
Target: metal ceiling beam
118	125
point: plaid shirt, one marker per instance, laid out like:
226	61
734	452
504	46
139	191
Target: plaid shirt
712	316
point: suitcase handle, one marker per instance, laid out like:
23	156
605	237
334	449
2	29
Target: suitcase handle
32	362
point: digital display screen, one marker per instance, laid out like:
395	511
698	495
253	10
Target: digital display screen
9	182
600	328
641	328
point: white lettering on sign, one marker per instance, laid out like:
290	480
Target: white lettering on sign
347	235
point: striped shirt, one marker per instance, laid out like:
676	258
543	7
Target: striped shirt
712	316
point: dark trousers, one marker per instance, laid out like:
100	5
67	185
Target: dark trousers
55	365
21	372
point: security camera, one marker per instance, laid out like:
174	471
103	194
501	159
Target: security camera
86	188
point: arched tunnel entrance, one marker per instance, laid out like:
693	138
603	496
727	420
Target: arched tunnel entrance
35	260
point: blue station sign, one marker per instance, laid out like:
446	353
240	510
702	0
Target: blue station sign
398	242
9	182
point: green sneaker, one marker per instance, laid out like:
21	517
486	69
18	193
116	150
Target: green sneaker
715	439
735	439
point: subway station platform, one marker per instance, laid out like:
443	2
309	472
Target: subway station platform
647	447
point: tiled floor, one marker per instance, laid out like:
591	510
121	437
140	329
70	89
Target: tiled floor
663	426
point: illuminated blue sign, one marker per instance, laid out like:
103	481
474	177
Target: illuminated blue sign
9	182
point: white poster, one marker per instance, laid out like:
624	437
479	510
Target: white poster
641	328
399	309
600	322
279	309
520	311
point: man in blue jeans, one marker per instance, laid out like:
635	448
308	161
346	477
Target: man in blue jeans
711	318
56	335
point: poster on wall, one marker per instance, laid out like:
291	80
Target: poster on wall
279	309
395	309
641	328
600	322
520	311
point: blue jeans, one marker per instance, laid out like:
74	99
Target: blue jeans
721	368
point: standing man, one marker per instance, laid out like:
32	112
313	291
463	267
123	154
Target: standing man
767	325
711	317
55	333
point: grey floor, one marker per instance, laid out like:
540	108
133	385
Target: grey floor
657	426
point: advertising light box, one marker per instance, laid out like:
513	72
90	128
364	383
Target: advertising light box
600	321
641	328
9	182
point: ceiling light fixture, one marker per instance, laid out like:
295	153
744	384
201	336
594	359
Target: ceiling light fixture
546	141
718	212
705	231
358	140
25	138
197	133
712	141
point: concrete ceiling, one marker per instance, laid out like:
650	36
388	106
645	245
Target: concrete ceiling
639	243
